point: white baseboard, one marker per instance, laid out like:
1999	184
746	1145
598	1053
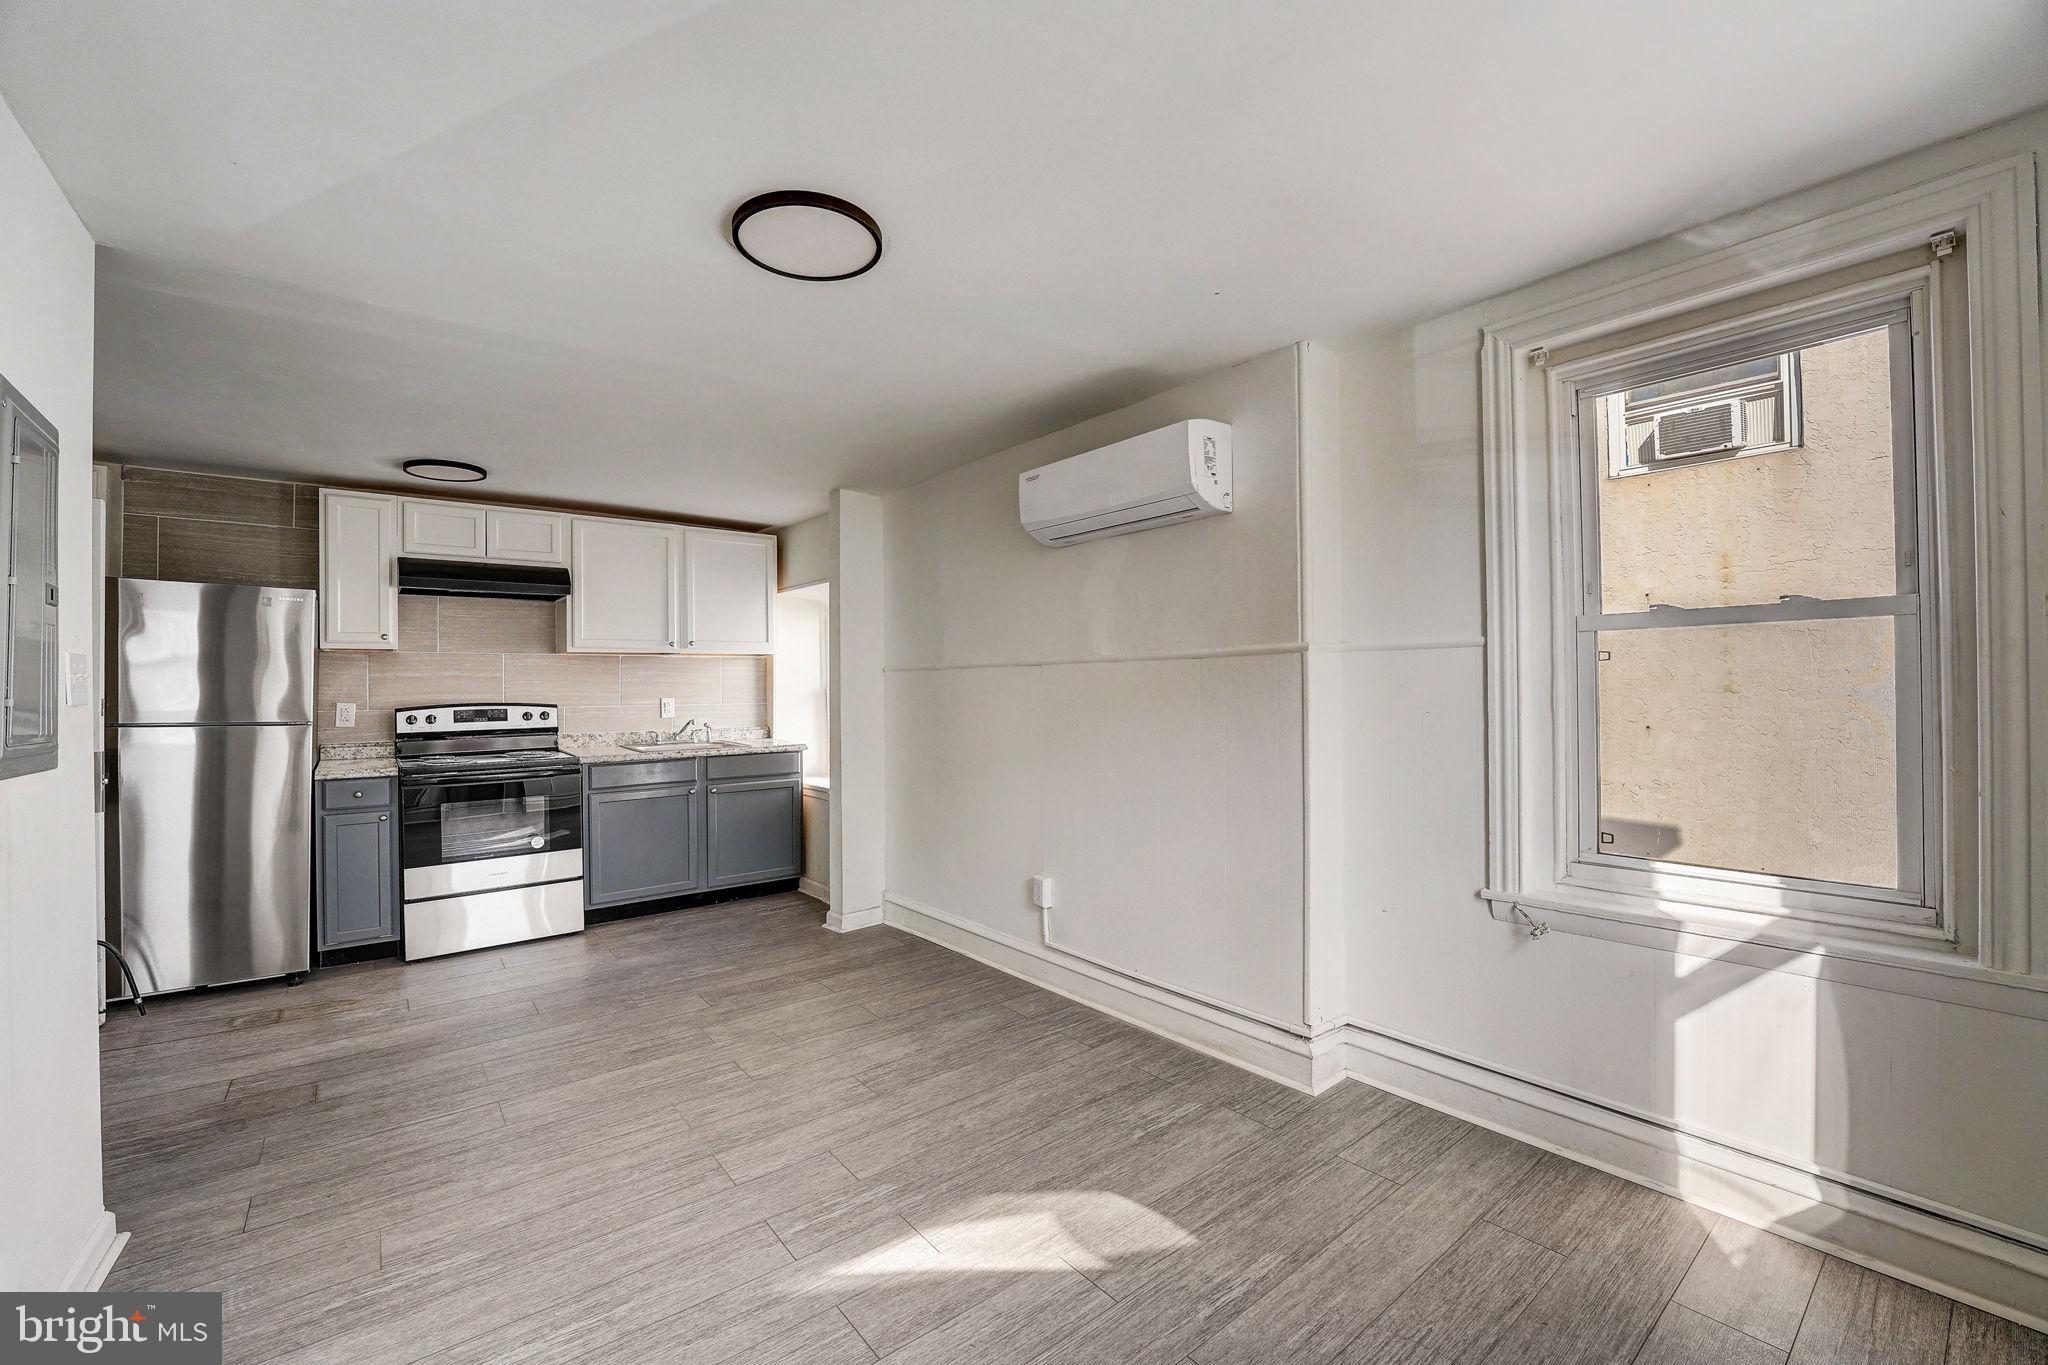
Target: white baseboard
1871	1229
1303	1063
851	920
817	891
102	1247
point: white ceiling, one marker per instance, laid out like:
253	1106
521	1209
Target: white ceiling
343	235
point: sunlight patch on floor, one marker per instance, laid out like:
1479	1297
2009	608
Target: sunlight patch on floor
1048	1230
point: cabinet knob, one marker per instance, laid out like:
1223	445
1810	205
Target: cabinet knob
357	795
382	818
385	636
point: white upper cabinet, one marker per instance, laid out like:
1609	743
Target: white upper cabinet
443	530
624	578
728	592
636	587
520	536
359	542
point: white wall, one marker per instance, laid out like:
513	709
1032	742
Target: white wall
859	814
807	552
1941	1101
1124	715
52	1219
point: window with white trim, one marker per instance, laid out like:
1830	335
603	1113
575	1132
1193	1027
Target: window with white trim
1772	672
1755	699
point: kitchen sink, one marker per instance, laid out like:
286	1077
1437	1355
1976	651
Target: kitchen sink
697	749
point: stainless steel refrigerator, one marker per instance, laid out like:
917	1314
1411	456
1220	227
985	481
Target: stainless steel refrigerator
210	782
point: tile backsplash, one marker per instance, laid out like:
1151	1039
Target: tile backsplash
208	528
490	649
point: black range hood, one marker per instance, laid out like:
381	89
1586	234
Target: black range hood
466	578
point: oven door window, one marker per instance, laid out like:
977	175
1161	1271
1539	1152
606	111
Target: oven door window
463	821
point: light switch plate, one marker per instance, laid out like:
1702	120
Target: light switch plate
77	678
344	715
668	708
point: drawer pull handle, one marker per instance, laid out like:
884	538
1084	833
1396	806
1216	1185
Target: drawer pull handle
382	818
355	794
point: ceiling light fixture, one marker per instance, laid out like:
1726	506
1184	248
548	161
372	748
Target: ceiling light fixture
445	471
805	235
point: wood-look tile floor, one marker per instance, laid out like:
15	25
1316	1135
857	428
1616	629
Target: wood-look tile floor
729	1135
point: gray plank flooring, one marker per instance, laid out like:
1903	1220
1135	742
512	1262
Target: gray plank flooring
726	1135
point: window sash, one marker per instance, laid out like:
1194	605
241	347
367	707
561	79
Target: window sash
1913	908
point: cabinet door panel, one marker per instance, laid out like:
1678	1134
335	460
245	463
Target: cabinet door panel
754	831
622	597
358	579
358	879
524	537
641	843
729	592
443	530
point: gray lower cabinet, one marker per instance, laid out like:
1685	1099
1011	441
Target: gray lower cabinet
676	827
358	901
753	830
641	843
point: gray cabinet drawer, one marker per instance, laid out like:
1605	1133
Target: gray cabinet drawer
754	765
360	793
600	776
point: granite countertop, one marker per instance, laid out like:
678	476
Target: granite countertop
349	762
597	749
345	762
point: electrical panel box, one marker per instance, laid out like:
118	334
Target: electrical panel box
28	527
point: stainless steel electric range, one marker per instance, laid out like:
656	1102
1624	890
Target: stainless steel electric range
491	826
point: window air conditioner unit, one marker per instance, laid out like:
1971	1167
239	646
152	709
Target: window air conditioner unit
1707	429
1175	474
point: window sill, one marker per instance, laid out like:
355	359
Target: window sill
1872	959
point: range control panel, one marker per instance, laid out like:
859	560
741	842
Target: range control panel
460	718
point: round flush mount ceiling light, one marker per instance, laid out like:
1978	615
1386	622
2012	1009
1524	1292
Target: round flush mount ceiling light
805	235
445	471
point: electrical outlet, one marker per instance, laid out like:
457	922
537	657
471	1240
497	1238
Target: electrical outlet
344	715
668	708
1041	892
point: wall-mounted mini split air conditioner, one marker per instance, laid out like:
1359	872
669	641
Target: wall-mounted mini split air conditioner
1175	474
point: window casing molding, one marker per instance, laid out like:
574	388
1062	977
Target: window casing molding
1986	623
